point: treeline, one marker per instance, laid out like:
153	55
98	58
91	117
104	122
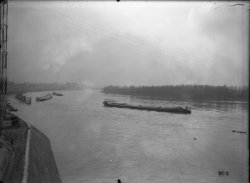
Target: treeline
186	92
13	88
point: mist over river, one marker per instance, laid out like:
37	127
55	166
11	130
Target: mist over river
96	144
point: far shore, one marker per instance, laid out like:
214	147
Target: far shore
14	88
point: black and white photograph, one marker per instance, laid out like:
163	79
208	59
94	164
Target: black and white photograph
124	91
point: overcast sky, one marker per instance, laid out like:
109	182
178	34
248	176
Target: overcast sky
129	43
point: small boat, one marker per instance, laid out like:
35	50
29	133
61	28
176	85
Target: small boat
57	93
182	110
43	98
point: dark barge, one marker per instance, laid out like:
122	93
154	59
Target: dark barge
44	98
23	98
57	93
181	110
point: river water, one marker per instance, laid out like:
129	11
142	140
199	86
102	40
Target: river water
96	144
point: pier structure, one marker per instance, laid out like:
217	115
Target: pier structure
3	58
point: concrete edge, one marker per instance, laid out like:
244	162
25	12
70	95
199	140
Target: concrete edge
26	159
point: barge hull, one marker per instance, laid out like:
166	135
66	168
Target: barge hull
180	110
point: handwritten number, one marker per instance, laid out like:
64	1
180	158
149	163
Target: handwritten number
222	173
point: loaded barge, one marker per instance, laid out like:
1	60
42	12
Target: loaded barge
23	98
57	93
181	110
43	98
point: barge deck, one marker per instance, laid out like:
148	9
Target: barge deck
181	110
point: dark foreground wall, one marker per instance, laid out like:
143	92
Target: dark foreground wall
25	154
42	166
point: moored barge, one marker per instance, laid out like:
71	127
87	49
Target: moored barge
23	98
43	98
57	93
181	110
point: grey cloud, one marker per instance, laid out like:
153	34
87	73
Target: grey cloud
82	46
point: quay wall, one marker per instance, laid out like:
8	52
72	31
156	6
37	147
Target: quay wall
41	166
26	155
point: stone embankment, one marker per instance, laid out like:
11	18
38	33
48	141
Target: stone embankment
25	154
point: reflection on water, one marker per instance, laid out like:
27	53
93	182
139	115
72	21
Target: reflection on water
222	106
93	143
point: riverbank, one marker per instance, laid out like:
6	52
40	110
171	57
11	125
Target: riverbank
14	88
26	154
41	160
13	140
183	92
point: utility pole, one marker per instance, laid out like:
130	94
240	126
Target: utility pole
3	58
